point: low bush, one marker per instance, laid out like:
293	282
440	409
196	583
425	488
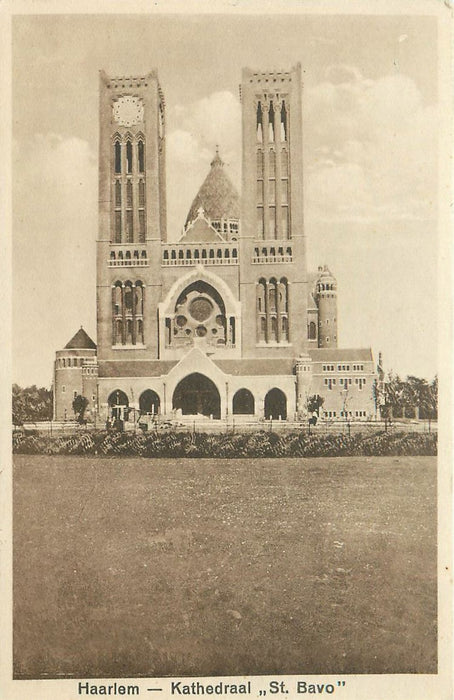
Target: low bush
260	444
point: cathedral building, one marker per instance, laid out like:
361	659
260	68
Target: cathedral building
227	321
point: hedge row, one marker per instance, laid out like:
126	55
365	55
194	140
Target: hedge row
260	444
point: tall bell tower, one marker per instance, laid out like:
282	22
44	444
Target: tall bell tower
132	219
273	280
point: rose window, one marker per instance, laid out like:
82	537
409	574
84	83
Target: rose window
199	318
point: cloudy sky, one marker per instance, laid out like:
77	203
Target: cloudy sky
370	109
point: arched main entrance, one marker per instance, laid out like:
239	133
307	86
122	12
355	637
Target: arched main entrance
118	404
243	402
276	405
196	394
149	402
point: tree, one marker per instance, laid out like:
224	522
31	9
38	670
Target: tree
417	390
413	396
345	396
31	404
80	403
393	396
314	403
433	397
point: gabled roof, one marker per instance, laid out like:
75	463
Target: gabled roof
80	341
200	231
217	195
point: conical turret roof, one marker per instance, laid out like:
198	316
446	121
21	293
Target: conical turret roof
217	196
80	341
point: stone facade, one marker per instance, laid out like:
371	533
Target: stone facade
225	321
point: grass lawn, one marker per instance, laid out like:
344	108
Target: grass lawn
140	567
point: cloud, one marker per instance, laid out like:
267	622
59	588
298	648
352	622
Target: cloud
184	147
341	73
370	148
194	131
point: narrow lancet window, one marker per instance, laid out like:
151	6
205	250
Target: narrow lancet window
284	328
283	295
283	123
272	295
260	227
284	222
118	194
118	227
141	156
117	155
141	193
129	194
129	227
129	157
259	123
141	226
271	123
272	221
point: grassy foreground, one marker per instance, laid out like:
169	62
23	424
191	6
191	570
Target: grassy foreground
139	567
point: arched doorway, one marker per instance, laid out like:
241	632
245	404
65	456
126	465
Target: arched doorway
149	402
118	404
276	405
196	394
243	402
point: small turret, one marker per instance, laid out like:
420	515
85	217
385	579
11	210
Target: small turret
75	372
326	298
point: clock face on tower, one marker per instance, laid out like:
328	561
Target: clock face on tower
128	110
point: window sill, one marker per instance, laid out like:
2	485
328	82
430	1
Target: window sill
137	346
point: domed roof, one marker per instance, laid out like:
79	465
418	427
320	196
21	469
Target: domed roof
217	196
325	274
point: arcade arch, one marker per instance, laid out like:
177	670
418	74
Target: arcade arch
276	405
243	403
118	405
149	402
196	394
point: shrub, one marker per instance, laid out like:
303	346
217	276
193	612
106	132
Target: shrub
197	445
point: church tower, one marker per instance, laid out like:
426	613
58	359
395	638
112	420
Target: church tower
132	219
273	278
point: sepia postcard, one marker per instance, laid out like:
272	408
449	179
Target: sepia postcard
227	323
